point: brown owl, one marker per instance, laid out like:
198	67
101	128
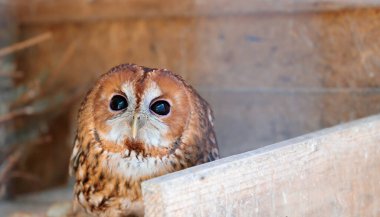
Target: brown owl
137	123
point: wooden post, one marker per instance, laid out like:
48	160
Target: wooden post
333	172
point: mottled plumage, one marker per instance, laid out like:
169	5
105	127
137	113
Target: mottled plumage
136	123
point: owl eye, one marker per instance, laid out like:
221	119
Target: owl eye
160	107
118	103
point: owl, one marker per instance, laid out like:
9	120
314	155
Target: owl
135	124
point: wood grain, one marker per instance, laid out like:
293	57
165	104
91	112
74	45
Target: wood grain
44	11
333	172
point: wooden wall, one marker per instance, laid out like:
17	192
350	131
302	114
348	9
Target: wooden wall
270	71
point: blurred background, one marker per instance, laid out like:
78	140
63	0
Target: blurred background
271	70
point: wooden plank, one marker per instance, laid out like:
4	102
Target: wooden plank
47	11
308	50
336	50
333	172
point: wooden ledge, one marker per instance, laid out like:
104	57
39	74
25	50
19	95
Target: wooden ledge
333	172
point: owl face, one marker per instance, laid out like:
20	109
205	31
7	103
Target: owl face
133	107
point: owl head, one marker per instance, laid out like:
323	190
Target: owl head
138	108
137	123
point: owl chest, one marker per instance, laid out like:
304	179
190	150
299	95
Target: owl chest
138	168
108	188
113	181
114	171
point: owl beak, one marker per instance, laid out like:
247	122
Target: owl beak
134	126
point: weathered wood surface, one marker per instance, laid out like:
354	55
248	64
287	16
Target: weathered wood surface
267	77
333	172
36	11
